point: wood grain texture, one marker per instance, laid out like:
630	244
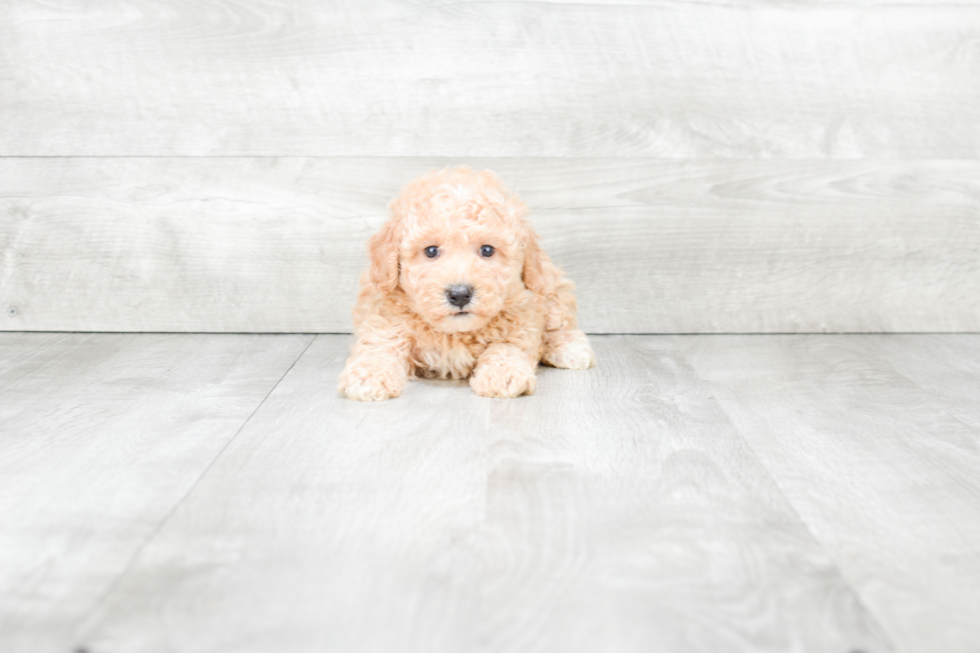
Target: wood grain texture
433	78
625	513
100	437
878	468
329	525
277	244
617	510
948	366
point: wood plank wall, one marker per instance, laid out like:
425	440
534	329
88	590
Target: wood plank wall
695	167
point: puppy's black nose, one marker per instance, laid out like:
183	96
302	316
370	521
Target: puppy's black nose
459	295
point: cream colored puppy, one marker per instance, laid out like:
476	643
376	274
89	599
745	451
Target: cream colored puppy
458	287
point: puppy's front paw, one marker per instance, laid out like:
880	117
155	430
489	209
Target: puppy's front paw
371	381
502	381
574	355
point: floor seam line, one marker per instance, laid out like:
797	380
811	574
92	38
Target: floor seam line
820	543
170	513
872	616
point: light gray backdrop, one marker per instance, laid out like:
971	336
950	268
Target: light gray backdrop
694	166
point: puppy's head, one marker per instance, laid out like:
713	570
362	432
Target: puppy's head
459	247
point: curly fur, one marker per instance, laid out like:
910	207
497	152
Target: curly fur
522	311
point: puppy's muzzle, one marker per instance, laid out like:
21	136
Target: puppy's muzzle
459	296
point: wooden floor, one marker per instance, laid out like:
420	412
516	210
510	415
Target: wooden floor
206	493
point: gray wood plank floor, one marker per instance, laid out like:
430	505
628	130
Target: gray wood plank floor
691	493
100	437
878	466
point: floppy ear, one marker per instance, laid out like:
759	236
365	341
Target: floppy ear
539	272
383	249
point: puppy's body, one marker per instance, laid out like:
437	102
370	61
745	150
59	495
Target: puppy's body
458	287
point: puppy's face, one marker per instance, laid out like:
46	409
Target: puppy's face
458	246
459	266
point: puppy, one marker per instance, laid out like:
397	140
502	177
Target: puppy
458	287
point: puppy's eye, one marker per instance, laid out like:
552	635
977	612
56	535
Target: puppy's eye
486	250
432	251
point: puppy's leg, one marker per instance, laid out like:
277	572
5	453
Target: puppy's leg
377	370
503	370
565	345
568	349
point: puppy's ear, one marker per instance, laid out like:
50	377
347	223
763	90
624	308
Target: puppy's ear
540	274
383	249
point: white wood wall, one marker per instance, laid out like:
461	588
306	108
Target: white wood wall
695	167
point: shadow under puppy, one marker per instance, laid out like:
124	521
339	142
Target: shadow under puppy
458	287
